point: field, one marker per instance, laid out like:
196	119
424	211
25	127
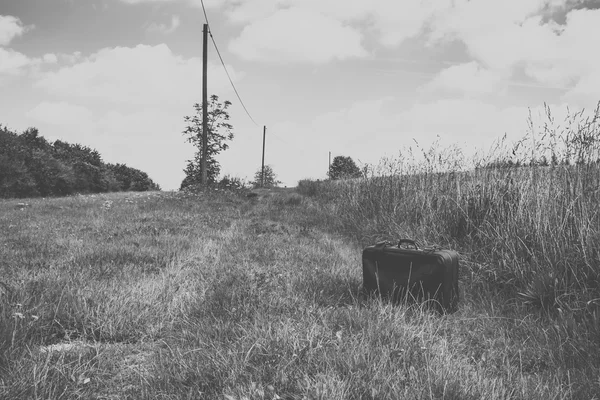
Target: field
166	295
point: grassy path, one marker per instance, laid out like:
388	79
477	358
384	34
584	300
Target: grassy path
173	296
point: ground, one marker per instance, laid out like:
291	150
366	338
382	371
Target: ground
167	295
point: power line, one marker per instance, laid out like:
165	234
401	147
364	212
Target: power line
223	64
230	81
204	10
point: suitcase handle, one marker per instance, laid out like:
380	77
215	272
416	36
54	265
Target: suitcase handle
408	241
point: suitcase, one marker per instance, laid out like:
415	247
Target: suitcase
427	275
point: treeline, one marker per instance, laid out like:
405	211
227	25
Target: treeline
30	166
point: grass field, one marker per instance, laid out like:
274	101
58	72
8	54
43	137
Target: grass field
216	296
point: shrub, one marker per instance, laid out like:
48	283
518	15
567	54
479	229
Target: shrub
308	187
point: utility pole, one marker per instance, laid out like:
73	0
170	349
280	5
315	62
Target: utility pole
329	170
262	174
204	104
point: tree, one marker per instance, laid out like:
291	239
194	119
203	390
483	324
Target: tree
270	179
15	180
131	179
220	131
343	167
30	166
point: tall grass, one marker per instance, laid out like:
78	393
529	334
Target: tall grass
217	296
525	218
237	299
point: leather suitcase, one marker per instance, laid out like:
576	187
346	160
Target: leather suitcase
423	274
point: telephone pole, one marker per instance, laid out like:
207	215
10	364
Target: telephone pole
204	104
329	170
262	174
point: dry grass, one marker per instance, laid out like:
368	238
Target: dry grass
529	236
218	296
223	299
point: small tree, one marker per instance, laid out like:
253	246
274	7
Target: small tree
270	179
220	131
343	167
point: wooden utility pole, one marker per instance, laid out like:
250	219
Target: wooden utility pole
204	105
329	170
262	174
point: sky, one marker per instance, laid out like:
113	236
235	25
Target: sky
356	78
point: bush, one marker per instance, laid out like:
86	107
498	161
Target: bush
30	166
308	187
232	182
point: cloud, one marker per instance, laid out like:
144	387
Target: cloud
342	10
586	93
70	58
12	62
469	79
515	34
138	76
455	120
10	28
50	58
61	113
464	19
522	39
194	3
397	21
162	28
247	11
298	35
147	1
393	21
465	121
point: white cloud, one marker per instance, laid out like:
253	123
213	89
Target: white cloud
139	76
195	3
247	11
465	19
393	21
470	79
50	58
343	10
466	121
586	93
298	35
10	27
507	35
512	38
13	62
397	21
163	28
70	58
148	1
61	113
566	54
455	120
